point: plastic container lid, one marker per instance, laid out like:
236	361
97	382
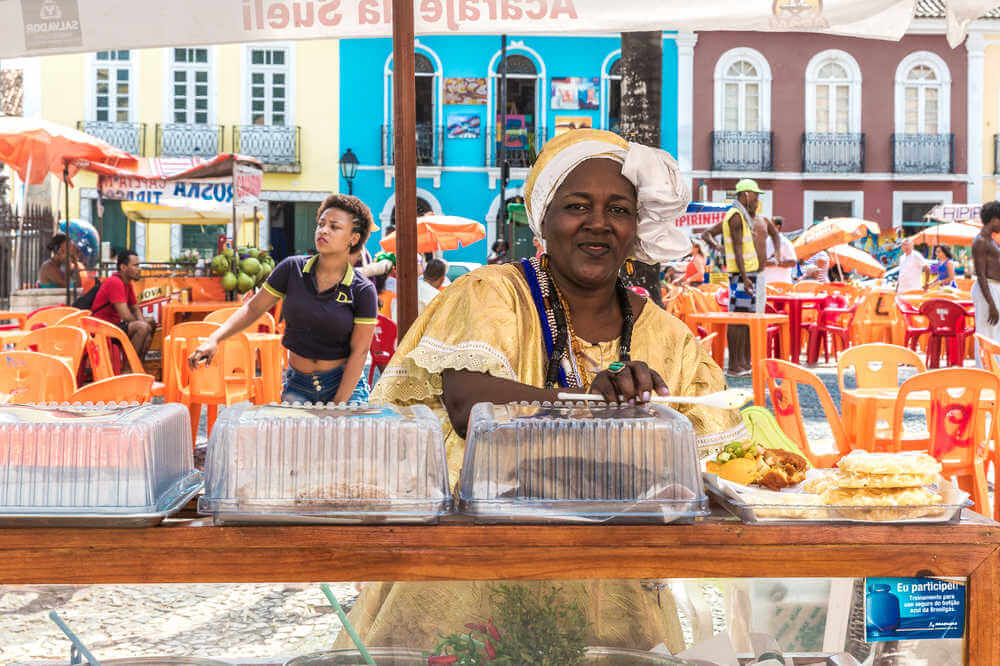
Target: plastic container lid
326	463
580	463
103	459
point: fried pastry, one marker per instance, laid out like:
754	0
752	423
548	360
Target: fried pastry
908	462
844	480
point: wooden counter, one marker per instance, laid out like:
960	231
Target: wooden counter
194	551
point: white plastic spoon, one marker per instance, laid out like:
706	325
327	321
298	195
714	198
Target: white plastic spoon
728	399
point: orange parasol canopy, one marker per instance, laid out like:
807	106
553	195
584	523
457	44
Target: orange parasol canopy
830	233
949	233
45	147
851	258
441	232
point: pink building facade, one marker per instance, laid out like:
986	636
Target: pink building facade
831	126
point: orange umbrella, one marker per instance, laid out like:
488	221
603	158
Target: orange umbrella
441	232
949	233
829	233
45	147
851	258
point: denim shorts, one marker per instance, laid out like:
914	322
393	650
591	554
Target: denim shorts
319	386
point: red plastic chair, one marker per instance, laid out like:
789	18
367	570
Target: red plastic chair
383	345
773	342
783	379
956	425
915	323
946	320
835	321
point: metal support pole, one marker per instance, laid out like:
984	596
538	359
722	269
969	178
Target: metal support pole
69	243
405	158
504	168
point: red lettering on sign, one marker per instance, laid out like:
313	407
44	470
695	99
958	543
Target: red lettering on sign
277	16
431	10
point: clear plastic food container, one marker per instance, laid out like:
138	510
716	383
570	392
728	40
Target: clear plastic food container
580	463
325	464
110	465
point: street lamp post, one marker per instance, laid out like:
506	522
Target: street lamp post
349	169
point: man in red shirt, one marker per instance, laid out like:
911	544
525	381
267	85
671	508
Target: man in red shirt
115	303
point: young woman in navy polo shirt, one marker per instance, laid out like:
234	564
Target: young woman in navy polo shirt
330	310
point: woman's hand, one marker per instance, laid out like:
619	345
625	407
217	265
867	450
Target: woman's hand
636	382
205	352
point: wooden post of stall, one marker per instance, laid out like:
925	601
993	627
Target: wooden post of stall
404	152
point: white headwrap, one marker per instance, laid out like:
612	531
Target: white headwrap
663	195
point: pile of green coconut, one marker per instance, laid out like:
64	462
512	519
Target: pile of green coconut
242	269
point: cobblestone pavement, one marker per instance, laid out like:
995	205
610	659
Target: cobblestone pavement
273	621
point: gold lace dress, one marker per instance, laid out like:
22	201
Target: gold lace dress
486	322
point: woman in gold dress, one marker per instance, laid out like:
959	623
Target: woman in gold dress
524	331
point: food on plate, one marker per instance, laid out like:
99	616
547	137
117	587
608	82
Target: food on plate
747	464
820	482
885	480
907	462
771	504
784	469
738	462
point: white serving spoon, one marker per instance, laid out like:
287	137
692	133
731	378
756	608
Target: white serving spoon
728	399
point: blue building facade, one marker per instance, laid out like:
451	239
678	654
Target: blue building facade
554	83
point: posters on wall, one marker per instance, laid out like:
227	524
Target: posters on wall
465	90
567	123
913	608
575	92
463	125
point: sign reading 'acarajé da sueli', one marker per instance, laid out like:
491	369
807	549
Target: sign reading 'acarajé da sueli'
32	27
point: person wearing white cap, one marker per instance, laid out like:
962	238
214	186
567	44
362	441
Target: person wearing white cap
744	234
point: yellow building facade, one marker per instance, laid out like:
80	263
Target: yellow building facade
277	102
988	43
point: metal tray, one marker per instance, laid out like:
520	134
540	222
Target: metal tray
832	514
187	490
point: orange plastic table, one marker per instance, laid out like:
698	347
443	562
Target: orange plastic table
171	310
716	322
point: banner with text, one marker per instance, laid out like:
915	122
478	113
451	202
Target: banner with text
207	195
34	27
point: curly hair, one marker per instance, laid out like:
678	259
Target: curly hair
361	215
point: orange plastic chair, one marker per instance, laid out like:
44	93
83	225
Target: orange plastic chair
385	299
74	318
264	323
956	425
878	319
27	376
65	342
224	381
105	357
788	411
123	388
989	354
18	319
779	287
809	287
47	316
875	365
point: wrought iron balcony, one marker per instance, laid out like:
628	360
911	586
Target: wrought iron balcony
188	140
430	145
522	147
130	137
742	151
833	153
276	146
923	153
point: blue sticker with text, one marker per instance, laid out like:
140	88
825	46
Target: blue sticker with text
913	608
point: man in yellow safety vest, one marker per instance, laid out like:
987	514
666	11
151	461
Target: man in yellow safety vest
744	236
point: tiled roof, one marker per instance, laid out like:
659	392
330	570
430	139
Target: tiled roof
11	92
936	9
